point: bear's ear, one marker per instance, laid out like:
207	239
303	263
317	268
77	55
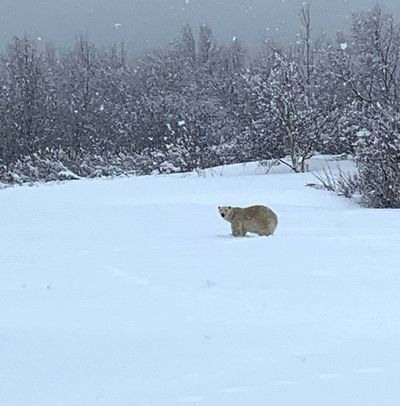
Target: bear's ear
219	207
229	207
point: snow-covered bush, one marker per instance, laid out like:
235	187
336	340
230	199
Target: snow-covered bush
342	183
378	160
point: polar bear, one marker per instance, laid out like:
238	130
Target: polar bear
254	219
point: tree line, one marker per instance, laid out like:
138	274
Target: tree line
89	111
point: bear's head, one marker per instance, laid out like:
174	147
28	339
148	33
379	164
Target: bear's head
225	211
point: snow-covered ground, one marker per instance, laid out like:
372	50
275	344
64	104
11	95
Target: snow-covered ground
131	292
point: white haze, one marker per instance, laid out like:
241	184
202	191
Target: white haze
144	24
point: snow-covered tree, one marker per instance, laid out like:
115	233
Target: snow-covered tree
24	85
80	96
263	132
295	113
376	39
378	158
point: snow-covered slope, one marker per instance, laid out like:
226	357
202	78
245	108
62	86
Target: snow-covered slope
131	292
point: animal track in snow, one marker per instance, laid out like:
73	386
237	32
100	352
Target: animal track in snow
127	276
209	284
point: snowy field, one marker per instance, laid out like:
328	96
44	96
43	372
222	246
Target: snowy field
131	292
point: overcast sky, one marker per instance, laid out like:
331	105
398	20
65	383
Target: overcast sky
148	23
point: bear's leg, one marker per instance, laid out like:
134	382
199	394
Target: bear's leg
264	232
236	231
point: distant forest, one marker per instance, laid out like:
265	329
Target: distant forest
88	112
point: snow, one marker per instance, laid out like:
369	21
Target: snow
133	292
